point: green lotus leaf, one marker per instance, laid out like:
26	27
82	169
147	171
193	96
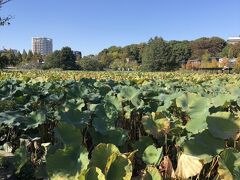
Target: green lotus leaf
152	155
229	164
35	119
111	111
238	102
117	137
92	173
128	92
69	134
137	102
132	94
102	123
83	160
20	158
222	99
78	90
113	100
120	168
142	144
11	118
168	101
222	125
75	104
100	155
235	92
75	117
204	145
237	167
197	108
68	161
152	173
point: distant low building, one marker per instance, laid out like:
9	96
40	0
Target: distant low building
233	40
77	53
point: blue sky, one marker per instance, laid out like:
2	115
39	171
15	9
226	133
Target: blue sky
92	25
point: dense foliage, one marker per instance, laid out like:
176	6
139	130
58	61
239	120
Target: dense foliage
89	64
213	46
151	126
156	55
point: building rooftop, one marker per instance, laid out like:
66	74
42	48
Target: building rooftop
41	38
234	38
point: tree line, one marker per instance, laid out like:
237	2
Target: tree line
155	55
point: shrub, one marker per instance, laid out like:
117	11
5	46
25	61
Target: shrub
236	67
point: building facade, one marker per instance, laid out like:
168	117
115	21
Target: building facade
233	40
42	46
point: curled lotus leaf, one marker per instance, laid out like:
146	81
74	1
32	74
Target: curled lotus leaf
93	173
120	167
100	155
188	166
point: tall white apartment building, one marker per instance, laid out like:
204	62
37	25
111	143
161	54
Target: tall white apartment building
42	45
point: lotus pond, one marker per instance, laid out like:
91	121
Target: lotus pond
114	125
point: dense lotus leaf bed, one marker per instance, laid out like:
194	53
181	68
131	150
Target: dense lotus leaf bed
114	125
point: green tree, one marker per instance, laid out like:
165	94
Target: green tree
29	55
206	57
236	67
205	60
132	52
24	55
230	52
68	59
180	52
12	58
19	57
37	57
53	60
236	50
89	64
225	51
216	45
156	55
114	55
105	58
213	45
3	60
117	64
